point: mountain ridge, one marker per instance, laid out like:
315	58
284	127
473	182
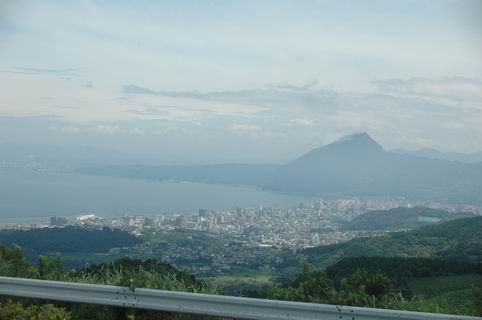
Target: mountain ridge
431	153
355	165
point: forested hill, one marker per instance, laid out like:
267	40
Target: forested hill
402	219
68	239
401	269
459	239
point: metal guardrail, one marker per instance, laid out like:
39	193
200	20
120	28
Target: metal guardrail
202	304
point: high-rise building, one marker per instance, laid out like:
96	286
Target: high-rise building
58	221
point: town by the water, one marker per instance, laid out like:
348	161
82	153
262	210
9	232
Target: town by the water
243	237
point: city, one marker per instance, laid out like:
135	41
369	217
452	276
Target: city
215	242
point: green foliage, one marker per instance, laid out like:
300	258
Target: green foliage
309	287
417	303
363	289
124	272
416	284
14	264
477	298
454	240
49	265
68	239
16	311
134	274
429	287
401	218
401	270
185	238
359	289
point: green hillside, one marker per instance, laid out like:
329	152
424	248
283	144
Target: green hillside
68	239
402	219
403	270
459	239
417	284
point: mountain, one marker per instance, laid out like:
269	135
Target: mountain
451	156
357	145
402	219
344	166
454	240
355	165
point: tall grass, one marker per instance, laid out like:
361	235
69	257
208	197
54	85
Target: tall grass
111	274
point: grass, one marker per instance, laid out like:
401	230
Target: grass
241	276
460	301
449	294
430	287
235	279
76	260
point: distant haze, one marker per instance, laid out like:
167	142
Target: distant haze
354	165
189	82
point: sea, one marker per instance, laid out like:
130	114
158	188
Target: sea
28	195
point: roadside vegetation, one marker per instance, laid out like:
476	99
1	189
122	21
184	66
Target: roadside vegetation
425	285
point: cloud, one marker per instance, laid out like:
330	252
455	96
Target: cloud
63	72
131	88
401	113
303	122
292	117
104	129
108	129
305	87
135	89
148	111
278	96
255	132
459	89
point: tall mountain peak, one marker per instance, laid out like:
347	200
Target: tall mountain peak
360	136
359	140
351	148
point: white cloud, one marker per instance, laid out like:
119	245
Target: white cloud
255	132
304	122
103	129
459	89
313	115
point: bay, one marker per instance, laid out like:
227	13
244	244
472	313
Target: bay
27	194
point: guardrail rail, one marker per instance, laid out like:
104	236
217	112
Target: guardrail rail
201	304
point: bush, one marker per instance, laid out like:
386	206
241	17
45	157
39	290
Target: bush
477	296
14	264
16	311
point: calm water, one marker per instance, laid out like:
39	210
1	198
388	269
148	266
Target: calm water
26	194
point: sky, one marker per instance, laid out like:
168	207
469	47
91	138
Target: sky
240	81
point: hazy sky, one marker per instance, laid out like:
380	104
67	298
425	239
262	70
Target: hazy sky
240	80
